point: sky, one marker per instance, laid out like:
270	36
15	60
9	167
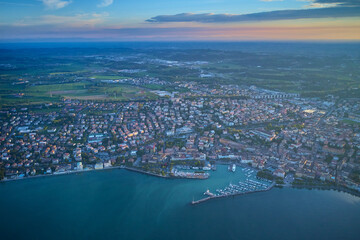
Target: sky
179	20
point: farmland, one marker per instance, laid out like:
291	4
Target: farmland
29	76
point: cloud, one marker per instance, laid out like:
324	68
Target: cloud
16	4
55	4
54	21
317	9
321	5
328	12
105	3
179	33
339	2
332	3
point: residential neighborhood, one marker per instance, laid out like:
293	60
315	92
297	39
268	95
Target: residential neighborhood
190	132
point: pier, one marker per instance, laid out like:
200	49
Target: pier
194	202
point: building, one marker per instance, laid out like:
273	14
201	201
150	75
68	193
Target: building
279	173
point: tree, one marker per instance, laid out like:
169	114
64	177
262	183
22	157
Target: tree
328	158
105	142
85	157
2	173
140	153
265	174
355	175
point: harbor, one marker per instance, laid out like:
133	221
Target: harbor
242	187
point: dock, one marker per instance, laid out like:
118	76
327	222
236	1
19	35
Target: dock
201	200
195	202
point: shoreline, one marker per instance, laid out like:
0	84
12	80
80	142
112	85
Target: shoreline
90	170
59	174
144	172
334	188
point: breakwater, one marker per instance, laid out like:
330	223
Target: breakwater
195	202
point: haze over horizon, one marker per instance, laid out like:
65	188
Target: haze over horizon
204	20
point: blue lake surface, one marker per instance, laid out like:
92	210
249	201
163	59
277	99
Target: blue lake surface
118	204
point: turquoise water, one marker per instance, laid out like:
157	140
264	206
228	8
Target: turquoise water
118	204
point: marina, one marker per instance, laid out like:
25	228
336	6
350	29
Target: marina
246	186
229	194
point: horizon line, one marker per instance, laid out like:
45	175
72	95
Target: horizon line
24	41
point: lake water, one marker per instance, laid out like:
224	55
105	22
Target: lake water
118	204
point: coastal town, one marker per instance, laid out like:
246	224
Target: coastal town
284	137
180	120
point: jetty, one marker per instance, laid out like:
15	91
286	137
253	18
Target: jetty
213	196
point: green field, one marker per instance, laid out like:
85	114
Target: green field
49	75
348	121
81	90
107	77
